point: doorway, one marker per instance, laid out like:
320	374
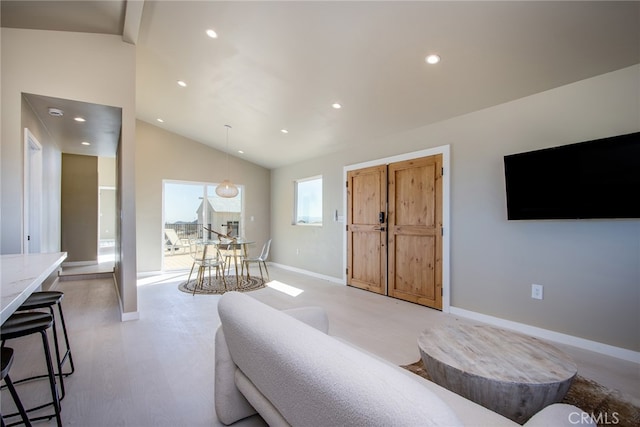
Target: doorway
32	198
397	233
189	207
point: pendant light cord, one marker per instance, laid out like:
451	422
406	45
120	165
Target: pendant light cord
227	151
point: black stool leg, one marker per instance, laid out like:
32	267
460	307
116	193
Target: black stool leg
52	385
24	324
57	347
67	354
52	380
16	399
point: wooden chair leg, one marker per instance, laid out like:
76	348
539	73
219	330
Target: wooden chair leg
191	272
260	267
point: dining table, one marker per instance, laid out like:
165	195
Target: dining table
238	246
21	275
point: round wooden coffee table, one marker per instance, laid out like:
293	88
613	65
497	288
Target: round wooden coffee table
510	373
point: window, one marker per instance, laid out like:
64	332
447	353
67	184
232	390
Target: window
308	201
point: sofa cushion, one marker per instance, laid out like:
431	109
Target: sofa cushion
313	379
560	415
230	404
312	316
267	411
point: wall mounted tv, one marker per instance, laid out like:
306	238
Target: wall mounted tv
593	179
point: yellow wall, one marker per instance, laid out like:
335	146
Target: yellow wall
80	208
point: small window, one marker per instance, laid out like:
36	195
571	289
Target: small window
308	201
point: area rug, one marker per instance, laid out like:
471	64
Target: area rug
606	406
217	286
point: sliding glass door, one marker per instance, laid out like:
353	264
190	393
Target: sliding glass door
189	208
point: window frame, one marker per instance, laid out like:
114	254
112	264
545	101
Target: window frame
295	219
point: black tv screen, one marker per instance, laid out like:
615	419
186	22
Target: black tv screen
593	179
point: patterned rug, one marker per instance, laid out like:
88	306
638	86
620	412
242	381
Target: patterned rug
217	286
606	406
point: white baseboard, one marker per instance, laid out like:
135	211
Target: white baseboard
132	315
125	316
597	347
79	263
145	274
337	280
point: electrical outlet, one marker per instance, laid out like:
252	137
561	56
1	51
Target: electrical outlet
536	291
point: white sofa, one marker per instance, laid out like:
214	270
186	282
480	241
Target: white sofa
285	367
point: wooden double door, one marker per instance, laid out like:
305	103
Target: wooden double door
394	230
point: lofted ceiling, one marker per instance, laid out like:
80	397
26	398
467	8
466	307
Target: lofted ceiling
281	65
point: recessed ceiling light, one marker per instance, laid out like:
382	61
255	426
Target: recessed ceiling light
79	119
212	34
160	120
56	112
240	151
284	131
182	83
85	143
432	59
336	105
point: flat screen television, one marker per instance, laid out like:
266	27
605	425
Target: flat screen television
593	179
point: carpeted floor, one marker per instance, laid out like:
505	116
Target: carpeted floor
606	406
217	286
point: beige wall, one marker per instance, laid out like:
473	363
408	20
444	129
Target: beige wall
93	68
162	155
107	171
80	208
108	213
590	269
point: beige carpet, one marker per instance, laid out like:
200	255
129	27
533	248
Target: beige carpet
607	406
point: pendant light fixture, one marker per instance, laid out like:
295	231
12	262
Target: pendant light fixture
227	188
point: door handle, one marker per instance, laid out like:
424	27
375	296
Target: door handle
379	229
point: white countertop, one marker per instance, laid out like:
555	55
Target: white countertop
21	274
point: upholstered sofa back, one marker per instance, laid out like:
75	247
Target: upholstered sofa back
313	379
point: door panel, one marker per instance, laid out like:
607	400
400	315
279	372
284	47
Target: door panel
413	262
366	235
415	227
409	265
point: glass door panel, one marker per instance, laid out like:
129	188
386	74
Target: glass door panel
188	208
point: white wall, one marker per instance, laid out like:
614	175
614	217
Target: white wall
590	269
51	190
162	155
93	68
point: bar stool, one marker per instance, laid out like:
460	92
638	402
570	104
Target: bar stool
47	299
7	361
23	324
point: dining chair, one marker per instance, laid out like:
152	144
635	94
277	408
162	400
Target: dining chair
233	253
205	256
260	260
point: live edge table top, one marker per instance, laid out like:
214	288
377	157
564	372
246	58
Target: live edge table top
496	368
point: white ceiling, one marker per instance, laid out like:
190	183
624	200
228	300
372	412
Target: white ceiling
281	65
